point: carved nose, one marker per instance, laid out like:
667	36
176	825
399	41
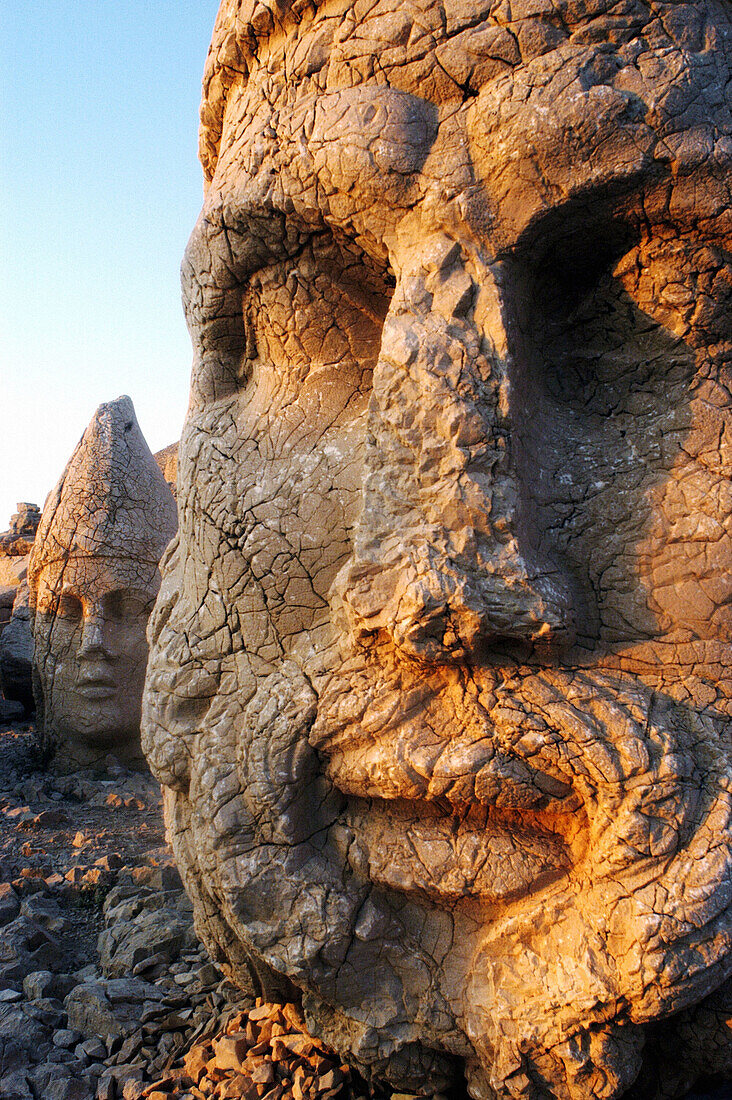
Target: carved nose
92	635
442	559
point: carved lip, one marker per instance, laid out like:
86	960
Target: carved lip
452	819
439	801
411	848
96	687
461	772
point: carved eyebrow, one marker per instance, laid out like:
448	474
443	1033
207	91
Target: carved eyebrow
589	206
231	241
639	197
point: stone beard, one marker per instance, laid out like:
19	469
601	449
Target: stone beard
439	682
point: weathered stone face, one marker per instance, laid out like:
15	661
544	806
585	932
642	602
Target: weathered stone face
440	678
90	624
93	579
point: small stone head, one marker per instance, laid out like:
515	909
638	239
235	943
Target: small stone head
93	577
440	674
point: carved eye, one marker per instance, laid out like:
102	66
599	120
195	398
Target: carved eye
321	308
592	338
572	268
69	607
304	318
125	606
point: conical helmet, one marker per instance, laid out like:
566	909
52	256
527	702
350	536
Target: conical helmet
111	500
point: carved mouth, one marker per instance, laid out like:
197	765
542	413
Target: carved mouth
572	769
451	820
96	689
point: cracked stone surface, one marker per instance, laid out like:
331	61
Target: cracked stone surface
93	577
439	687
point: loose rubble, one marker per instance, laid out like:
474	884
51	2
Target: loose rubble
102	980
264	1053
105	991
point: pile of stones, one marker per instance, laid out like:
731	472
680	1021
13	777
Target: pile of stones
17	541
76	1035
102	979
264	1053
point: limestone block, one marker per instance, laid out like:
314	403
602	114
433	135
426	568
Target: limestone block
93	576
440	684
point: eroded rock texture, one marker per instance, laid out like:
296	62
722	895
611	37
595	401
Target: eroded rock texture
167	460
440	678
93	577
18	539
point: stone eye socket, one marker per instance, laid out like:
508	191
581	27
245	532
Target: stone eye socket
592	338
69	607
122	605
322	308
570	271
307	318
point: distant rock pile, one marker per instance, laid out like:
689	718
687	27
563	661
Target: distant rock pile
17	541
167	460
102	979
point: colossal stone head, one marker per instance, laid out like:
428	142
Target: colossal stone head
440	678
93	578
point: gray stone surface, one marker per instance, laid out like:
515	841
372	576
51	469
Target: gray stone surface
93	576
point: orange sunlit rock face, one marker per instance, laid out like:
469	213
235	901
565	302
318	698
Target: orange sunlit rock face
439	681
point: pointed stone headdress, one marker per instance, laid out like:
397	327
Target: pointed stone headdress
111	501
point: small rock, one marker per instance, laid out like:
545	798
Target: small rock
50	819
19	815
9	903
208	974
230	1052
106	1088
66	1038
38	984
10	996
47	1011
94	1049
111	862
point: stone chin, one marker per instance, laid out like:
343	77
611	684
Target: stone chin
109	728
522	896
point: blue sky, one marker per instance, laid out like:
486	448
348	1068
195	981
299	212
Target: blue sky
100	187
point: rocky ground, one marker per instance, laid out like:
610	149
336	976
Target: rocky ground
105	992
